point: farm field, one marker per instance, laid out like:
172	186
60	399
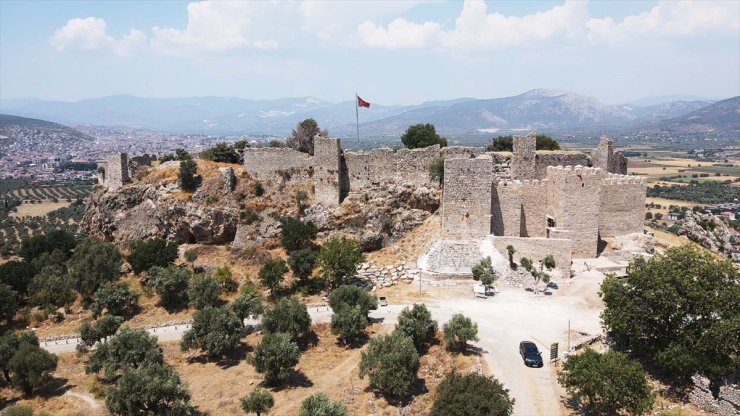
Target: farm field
686	169
38	210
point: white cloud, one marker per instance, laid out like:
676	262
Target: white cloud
668	18
88	34
219	26
476	29
129	44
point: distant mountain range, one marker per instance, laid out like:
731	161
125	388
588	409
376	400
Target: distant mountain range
13	128
548	111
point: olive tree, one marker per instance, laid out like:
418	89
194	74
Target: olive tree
417	324
257	401
130	348
171	284
146	254
153	389
117	298
214	330
204	291
289	316
391	363
458	331
319	404
30	367
339	258
471	394
93	263
275	357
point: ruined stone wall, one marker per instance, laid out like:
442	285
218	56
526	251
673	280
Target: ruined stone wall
268	162
547	158
116	171
466	207
523	159
461	152
602	154
533	197
574	195
506	209
536	249
726	404
622	205
326	170
385	165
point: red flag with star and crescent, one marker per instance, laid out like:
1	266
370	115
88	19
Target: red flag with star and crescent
362	103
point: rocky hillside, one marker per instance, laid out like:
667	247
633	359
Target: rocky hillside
226	210
708	230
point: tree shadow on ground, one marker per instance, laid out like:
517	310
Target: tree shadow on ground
354	343
373	320
296	379
56	386
228	360
307	341
419	387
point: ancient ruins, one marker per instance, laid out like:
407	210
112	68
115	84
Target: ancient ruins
563	203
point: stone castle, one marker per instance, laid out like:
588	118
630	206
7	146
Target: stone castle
562	203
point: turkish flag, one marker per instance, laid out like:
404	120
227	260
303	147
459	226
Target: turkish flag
362	103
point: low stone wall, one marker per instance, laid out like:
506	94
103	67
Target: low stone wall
536	249
726	404
451	257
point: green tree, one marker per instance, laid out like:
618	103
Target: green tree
271	274
339	258
93	263
458	331
484	273
182	154
351	295
422	135
258	401
150	390
221	152
146	254
607	384
511	250
215	330
302	263
549	262
39	244
9	345
297	235
225	279
472	394
204	291
289	316
91	334
302	136
678	310
30	367
349	323
171	284
417	324
391	362
52	287
130	348
116	298
437	170
526	263
8	304
246	305
275	357
18	275
319	404
188	181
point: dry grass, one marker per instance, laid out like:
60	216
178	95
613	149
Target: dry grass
412	245
216	387
38	210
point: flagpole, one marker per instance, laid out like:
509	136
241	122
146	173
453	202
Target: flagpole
357	118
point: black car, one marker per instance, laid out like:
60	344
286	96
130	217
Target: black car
530	354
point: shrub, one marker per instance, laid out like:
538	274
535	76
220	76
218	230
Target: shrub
297	235
116	298
221	152
472	394
271	274
318	404
191	255
214	330
391	362
187	180
152	252
458	331
339	258
608	383
422	135
437	170
506	143
18	411
204	291
417	324
171	284
257	401
225	279
289	316
275	357
259	189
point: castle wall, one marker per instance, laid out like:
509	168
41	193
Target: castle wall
506	209
533	197
266	162
523	159
556	158
326	170
536	249
466	207
116	171
385	165
622	205
574	195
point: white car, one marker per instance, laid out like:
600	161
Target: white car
382	301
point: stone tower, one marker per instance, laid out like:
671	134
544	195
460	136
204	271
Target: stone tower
523	159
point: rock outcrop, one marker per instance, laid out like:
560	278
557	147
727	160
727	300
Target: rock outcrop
708	230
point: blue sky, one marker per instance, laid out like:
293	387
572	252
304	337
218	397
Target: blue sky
402	52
